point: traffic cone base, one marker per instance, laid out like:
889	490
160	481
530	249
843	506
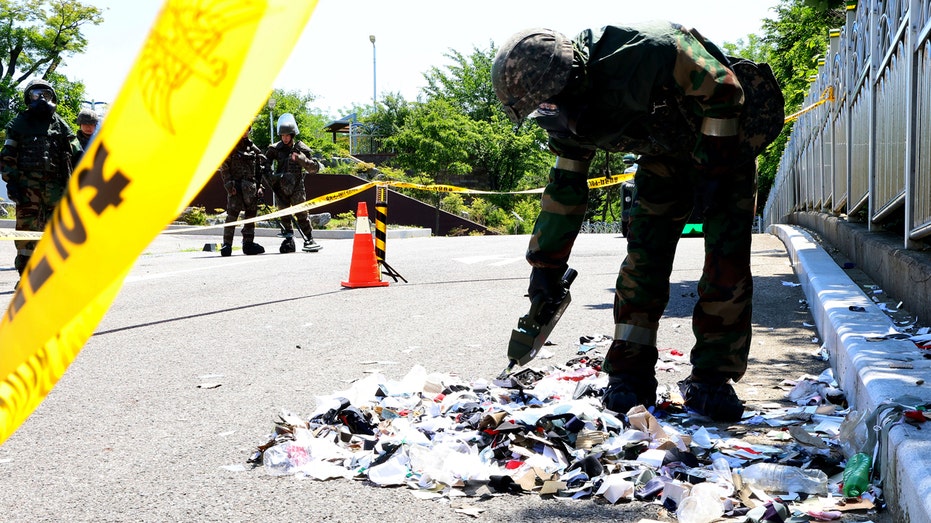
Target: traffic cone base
363	270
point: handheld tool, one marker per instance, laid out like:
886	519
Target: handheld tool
535	327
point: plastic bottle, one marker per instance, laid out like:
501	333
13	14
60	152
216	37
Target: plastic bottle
784	478
702	505
857	474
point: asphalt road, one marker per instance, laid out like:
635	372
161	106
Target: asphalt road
132	433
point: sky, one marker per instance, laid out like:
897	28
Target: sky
336	62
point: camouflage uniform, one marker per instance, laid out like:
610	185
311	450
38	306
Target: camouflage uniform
652	90
37	158
241	176
287	179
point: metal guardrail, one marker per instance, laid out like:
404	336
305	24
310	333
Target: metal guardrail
601	227
869	150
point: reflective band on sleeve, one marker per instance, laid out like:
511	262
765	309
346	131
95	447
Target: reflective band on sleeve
10	143
635	334
576	166
719	126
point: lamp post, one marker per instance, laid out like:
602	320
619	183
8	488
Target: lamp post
93	106
271	120
374	95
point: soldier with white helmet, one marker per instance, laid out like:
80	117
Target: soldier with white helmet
291	159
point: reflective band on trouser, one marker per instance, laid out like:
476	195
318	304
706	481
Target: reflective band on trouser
577	166
719	126
635	334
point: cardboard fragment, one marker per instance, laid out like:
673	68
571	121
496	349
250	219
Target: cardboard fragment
802	436
552	487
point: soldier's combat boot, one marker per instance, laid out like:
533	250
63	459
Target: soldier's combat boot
311	246
287	246
20	263
251	248
631	376
226	249
717	400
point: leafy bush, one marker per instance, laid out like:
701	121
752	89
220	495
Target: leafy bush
194	216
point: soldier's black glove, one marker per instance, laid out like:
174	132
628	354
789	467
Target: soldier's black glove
545	284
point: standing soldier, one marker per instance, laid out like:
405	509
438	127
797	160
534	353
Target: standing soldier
36	162
87	125
291	158
241	174
697	119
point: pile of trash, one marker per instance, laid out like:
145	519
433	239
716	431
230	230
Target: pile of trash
544	431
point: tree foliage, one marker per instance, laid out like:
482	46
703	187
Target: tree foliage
792	44
36	37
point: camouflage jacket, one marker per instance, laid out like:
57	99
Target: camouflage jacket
280	154
43	147
643	89
244	162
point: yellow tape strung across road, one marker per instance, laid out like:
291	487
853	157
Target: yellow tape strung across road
305	206
594	183
204	71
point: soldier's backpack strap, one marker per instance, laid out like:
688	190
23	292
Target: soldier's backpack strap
763	114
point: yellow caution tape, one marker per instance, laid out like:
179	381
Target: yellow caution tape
11	234
826	96
593	183
305	206
203	72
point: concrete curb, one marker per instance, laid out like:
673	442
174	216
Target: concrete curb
869	372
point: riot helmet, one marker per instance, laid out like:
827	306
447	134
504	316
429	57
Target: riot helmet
531	67
287	125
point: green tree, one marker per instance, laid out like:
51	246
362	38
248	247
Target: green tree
504	158
435	143
466	83
36	36
792	44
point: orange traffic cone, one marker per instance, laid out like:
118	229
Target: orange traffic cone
363	271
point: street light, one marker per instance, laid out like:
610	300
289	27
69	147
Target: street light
93	106
271	119
374	96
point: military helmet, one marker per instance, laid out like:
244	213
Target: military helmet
38	84
531	67
87	116
287	124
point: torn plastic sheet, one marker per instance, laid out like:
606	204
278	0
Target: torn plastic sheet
446	437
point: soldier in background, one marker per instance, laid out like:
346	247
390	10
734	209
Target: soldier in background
87	121
291	158
241	174
698	119
36	162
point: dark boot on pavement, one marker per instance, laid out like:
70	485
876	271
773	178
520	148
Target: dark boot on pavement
251	248
226	249
311	246
717	401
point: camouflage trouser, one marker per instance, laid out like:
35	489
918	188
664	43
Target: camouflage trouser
289	190
245	199
35	203
721	318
